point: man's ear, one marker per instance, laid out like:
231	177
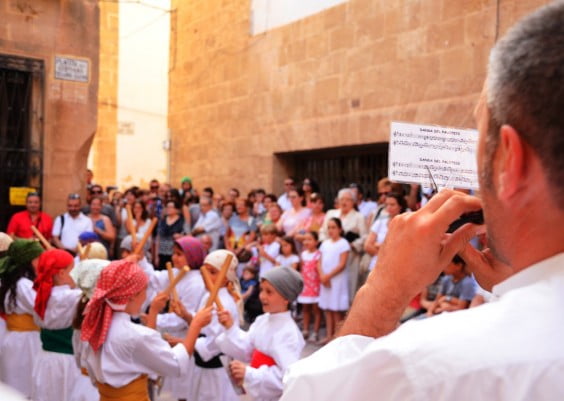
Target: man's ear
511	163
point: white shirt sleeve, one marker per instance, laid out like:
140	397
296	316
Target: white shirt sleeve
236	343
152	352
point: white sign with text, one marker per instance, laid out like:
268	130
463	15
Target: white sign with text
419	152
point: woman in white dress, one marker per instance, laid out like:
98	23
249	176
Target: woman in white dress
395	204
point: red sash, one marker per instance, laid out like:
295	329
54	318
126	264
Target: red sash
259	359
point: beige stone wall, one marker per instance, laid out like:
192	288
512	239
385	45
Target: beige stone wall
42	29
333	79
104	145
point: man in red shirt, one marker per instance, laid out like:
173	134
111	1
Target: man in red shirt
21	222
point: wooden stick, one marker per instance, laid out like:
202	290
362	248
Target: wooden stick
86	251
209	285
41	238
177	279
139	248
219	280
170	279
132	230
80	250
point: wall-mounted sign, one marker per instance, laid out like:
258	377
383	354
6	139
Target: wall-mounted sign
18	195
72	69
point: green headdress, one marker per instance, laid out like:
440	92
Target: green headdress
20	252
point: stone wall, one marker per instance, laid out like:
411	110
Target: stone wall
104	144
336	78
42	29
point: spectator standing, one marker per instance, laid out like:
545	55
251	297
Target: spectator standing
310	187
68	226
293	217
284	199
354	228
395	204
309	297
101	224
21	222
209	222
169	229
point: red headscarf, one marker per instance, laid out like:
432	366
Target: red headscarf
118	283
50	262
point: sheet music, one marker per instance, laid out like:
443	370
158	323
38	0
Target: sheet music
449	154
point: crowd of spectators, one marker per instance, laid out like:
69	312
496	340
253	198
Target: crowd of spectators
334	248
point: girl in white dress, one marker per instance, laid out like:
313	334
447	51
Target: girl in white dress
21	343
333	295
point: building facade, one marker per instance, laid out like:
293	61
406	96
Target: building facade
48	97
312	93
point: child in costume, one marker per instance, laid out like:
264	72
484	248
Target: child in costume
5	241
121	354
85	275
209	380
21	343
187	251
55	370
273	341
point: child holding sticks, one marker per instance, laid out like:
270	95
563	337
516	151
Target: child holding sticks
273	341
209	380
121	355
187	251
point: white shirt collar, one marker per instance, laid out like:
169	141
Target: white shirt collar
536	272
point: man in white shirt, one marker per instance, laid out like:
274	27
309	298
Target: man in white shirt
209	222
509	349
67	227
283	200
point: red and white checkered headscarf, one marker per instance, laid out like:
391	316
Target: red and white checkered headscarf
118	283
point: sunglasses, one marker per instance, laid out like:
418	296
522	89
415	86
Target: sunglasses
74	196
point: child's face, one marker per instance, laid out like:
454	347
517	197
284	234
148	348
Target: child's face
453	268
125	253
178	258
271	300
214	274
333	230
134	305
309	242
286	248
268	238
63	277
247	275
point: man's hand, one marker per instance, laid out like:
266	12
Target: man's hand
487	270
415	251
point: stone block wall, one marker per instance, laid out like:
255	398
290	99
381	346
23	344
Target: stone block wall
336	78
41	29
104	144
